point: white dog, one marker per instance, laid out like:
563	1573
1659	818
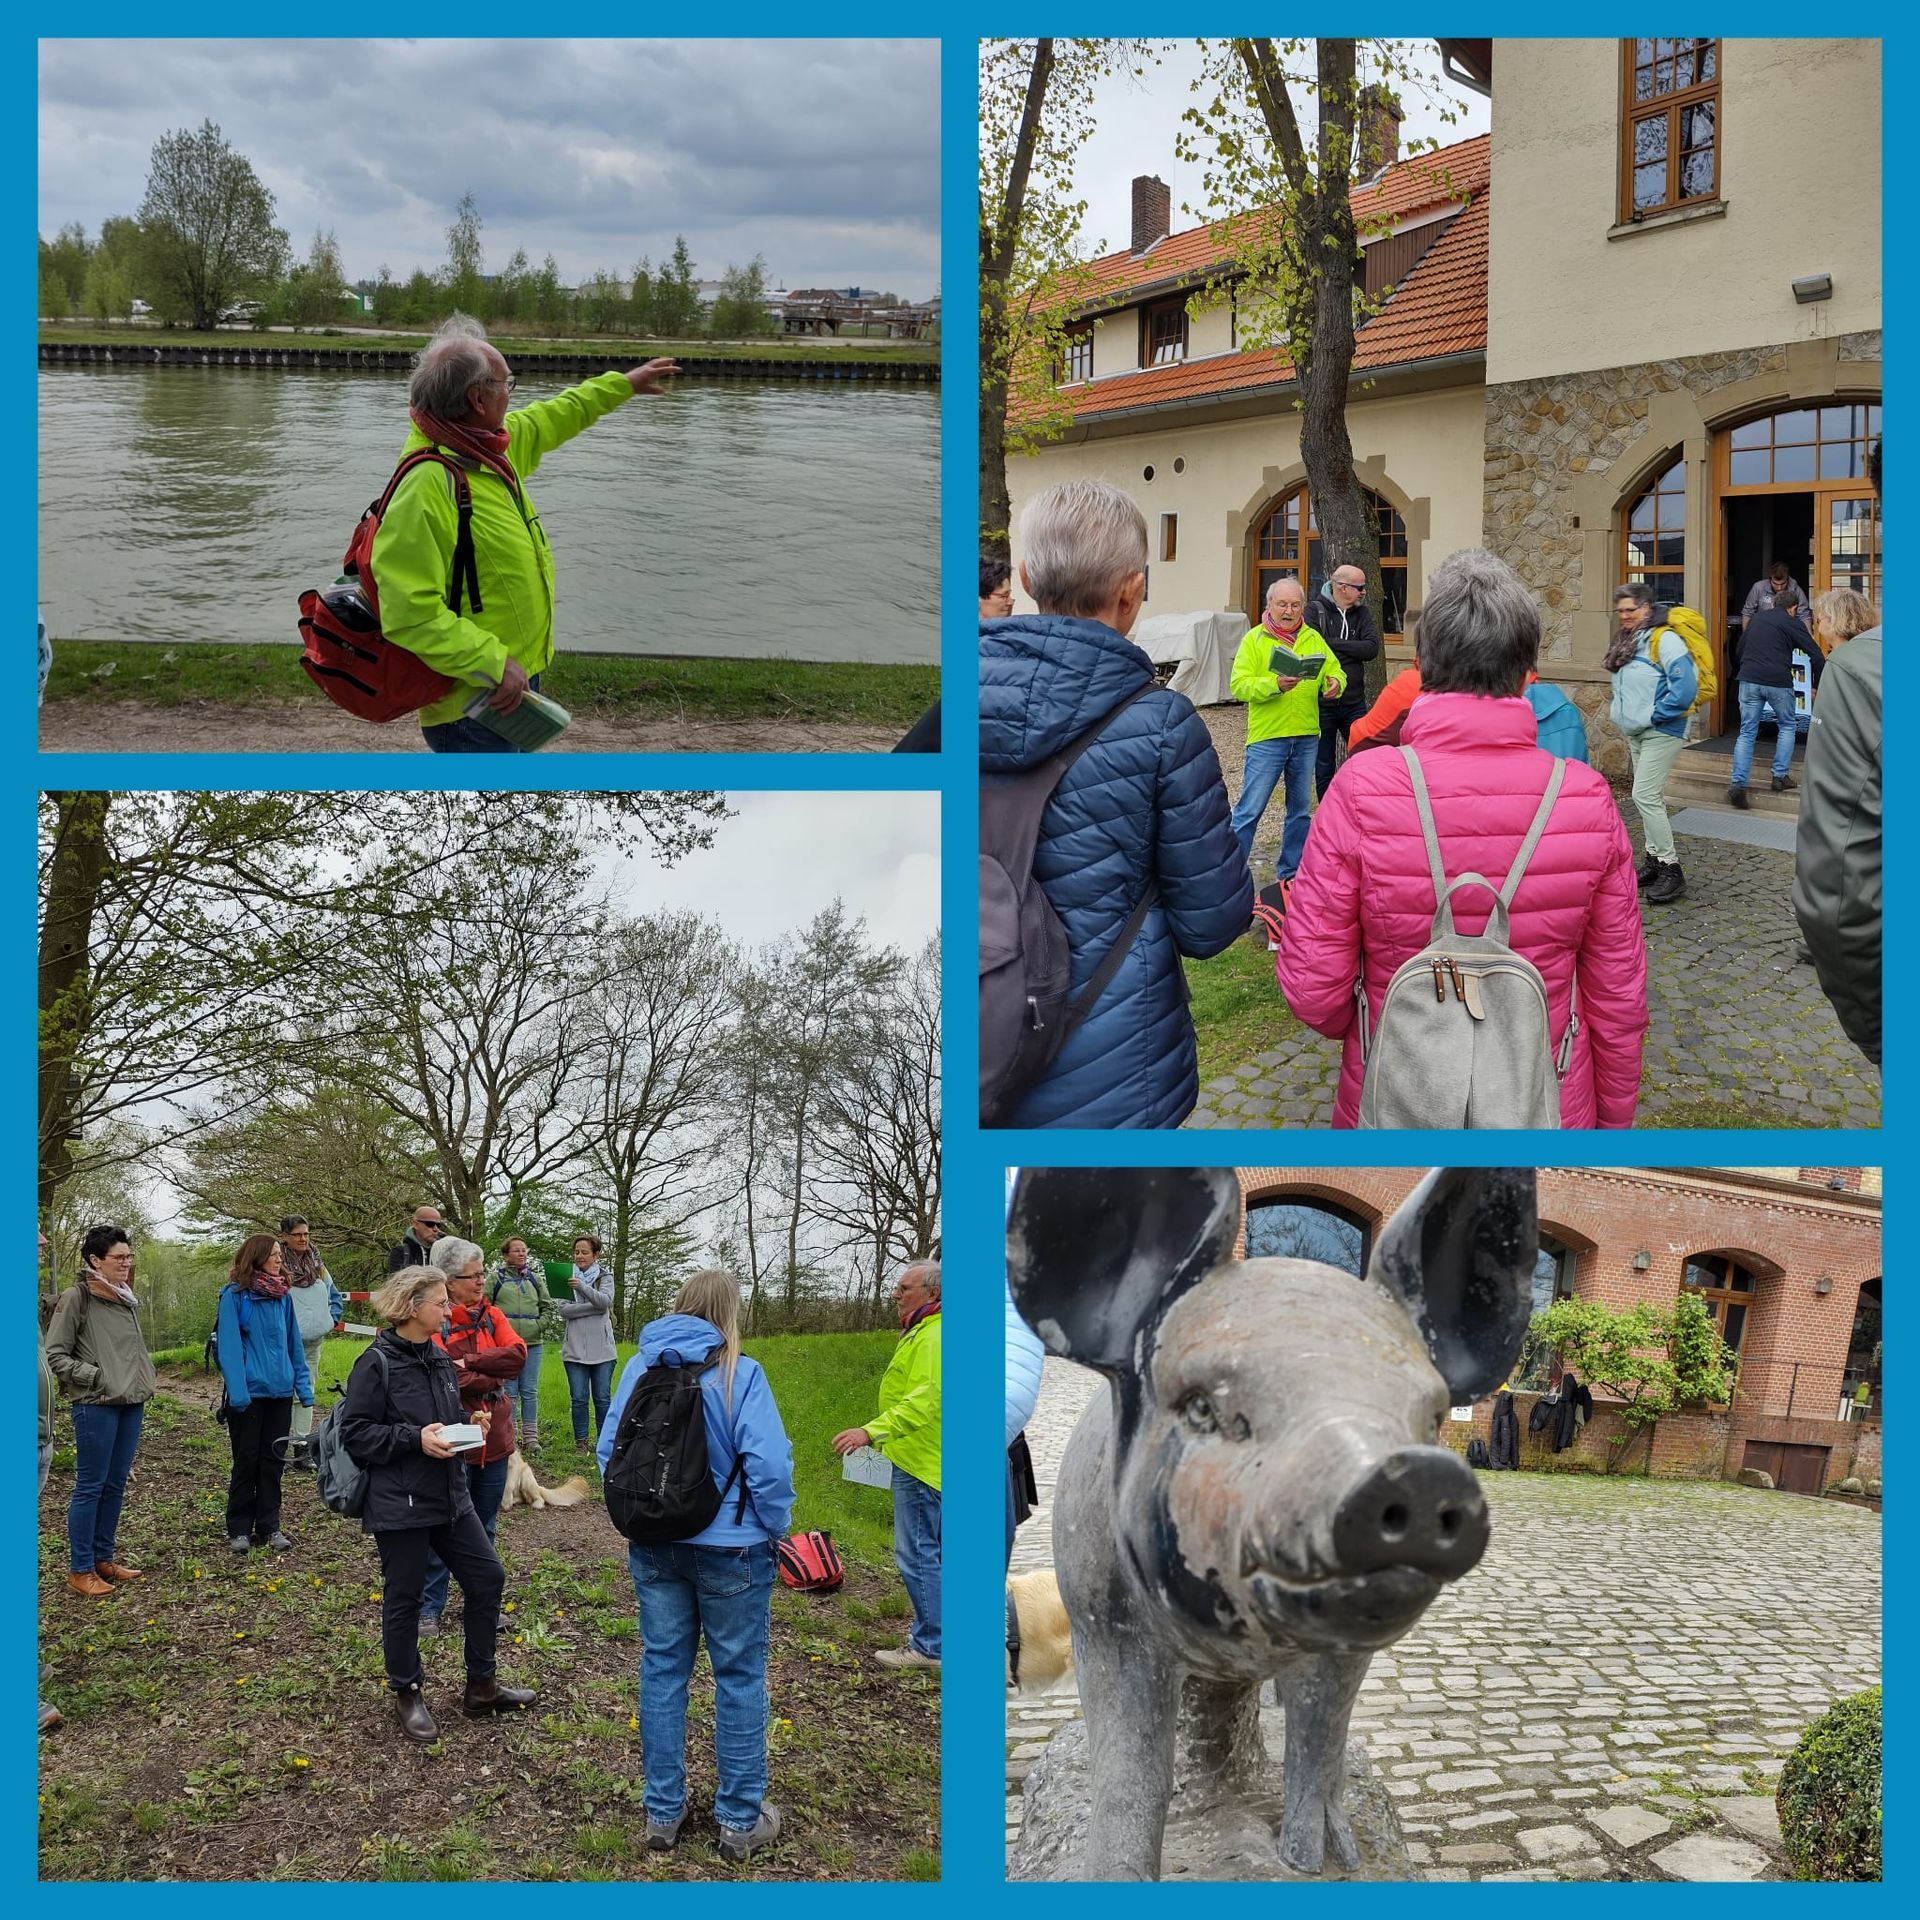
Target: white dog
523	1490
1037	1627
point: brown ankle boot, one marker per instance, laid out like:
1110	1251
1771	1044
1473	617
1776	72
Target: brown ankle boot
90	1584
489	1696
114	1570
415	1721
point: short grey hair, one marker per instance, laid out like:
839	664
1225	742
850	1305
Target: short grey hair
1285	580
929	1270
449	1255
1635	590
1479	628
1848	613
451	362
1080	543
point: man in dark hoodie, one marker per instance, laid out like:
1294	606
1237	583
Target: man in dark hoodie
1141	815
1339	614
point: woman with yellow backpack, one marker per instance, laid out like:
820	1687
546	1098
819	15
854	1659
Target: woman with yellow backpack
1657	683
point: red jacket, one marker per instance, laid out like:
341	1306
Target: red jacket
1363	895
485	1352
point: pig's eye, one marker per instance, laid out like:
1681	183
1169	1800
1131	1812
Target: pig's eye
1197	1411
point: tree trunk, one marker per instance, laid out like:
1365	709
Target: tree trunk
66	940
999	242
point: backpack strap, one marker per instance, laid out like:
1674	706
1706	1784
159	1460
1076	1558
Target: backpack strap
466	571
1084	1001
1443	889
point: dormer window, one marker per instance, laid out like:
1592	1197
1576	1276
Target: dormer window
1076	354
1163	334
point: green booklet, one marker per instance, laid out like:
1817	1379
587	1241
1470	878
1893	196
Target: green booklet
1295	666
536	722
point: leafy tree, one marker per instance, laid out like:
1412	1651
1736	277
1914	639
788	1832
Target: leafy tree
741	311
1652	1361
55	303
512	296
64	260
109	288
676	300
209	226
464	256
602	303
1286	222
1037	108
550	302
320	296
384	292
640	299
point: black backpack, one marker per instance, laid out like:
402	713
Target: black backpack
658	1484
1026	1014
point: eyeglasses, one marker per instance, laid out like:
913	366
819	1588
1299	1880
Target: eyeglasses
1352	586
510	382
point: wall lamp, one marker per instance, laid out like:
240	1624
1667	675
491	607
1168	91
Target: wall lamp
1824	1284
1642	1261
1815	286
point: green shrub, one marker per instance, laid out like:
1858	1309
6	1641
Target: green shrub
1829	1797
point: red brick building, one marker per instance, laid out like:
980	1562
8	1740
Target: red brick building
1786	1259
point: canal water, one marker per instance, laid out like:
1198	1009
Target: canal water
792	519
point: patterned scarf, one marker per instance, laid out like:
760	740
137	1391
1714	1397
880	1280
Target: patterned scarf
477	443
925	1311
1623	646
262	1284
1285	635
124	1294
302	1266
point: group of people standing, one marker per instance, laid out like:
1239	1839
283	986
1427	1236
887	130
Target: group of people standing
1139	816
454	1352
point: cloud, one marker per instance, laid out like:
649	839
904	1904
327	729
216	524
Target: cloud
821	155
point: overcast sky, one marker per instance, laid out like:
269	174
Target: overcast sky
1138	124
822	155
785	856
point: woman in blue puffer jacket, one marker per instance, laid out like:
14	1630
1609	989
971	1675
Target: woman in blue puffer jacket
1144	805
263	1364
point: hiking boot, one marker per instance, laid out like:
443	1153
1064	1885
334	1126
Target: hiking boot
1785	783
489	1696
1737	797
1668	884
1646	870
664	1835
90	1584
907	1658
279	1542
429	1628
114	1570
415	1721
530	1439
239	1544
49	1716
736	1844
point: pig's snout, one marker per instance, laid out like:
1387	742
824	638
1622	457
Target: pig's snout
1421	1508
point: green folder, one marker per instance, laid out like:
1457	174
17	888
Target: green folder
533	724
1295	666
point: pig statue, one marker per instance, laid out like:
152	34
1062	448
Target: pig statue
1261	1495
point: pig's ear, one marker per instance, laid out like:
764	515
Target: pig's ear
1460	1254
1095	1255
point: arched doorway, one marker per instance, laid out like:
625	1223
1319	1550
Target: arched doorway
1860	1386
1286	539
1294	1227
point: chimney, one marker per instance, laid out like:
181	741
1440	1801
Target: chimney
1380	117
1152	211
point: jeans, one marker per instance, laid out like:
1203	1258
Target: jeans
303	1416
583	1375
916	1552
253	1488
488	1485
1268	762
469	736
1653	755
1755	704
523	1393
46	1446
104	1439
405	1555
1336	722
726	1595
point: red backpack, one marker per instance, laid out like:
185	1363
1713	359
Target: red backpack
811	1563
347	656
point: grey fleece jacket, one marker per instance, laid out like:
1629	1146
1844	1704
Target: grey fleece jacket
588	1332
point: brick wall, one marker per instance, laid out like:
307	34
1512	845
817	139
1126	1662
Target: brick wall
1787	1226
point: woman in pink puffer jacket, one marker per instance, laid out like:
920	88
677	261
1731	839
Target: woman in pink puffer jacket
1364	896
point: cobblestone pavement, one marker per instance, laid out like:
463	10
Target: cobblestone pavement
1610	1696
1739	1032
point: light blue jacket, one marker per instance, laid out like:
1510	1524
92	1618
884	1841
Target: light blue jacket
1558	726
1024	1355
1655	691
261	1355
751	1431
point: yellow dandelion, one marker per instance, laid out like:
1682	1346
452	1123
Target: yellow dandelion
510	1606
301	1760
633	1723
373	1596
242	1681
317	1581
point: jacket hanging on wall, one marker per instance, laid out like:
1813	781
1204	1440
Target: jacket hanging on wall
1541	1418
1504	1441
1573	1398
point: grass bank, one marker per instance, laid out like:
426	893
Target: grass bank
226	1719
1237	1008
516	347
607	686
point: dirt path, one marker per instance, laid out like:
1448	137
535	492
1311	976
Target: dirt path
124	726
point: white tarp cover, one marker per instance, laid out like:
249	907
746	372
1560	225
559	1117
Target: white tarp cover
1200	648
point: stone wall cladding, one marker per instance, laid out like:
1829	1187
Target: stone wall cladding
1540	432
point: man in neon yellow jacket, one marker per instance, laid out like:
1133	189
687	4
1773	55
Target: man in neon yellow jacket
457	401
1283	720
907	1431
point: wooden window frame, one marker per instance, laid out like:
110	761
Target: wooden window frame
1302	564
1177	305
1657	574
1077	337
1670	106
1169	536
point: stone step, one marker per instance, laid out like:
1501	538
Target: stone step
1700	780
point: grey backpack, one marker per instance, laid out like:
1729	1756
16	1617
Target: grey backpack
1463	1037
339	1478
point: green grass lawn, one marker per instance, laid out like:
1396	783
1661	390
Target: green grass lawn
1237	1007
603	685
779	348
225	1718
